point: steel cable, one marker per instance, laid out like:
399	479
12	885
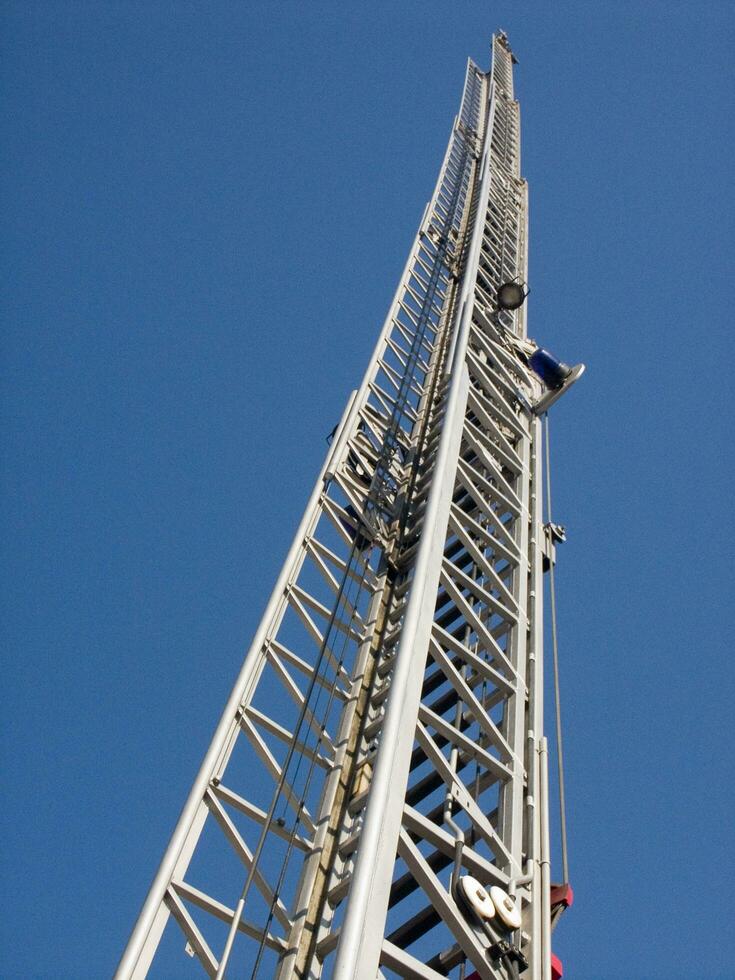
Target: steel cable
307	786
375	500
282	778
555	649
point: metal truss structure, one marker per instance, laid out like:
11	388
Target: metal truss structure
384	739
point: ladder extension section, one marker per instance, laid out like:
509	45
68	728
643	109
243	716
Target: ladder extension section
384	737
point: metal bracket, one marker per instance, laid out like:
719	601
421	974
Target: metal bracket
547	400
553	534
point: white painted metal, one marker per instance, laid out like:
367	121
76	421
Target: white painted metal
385	734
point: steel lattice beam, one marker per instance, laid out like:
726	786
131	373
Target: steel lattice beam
391	700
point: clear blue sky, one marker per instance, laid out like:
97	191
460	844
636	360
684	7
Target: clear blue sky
206	209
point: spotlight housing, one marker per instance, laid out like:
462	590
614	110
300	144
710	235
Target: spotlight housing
511	295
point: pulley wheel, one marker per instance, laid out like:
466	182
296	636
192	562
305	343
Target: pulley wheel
505	906
476	897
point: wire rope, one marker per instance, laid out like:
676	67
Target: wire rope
283	775
307	786
381	487
373	500
555	650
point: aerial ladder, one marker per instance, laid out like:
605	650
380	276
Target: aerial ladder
374	802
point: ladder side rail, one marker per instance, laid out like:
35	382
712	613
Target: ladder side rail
536	806
146	935
366	894
510	818
512	190
310	906
360	942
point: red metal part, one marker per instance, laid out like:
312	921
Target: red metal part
562	895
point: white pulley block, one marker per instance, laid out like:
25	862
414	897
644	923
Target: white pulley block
476	897
506	908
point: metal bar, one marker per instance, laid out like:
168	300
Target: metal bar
534	803
196	940
357	954
223	913
255	813
415	823
245	855
405	965
544	898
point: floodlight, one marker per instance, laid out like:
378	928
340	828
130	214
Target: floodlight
511	295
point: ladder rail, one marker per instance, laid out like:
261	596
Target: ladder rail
333	491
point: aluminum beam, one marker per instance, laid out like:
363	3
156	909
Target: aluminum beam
385	733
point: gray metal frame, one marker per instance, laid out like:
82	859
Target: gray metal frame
391	700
